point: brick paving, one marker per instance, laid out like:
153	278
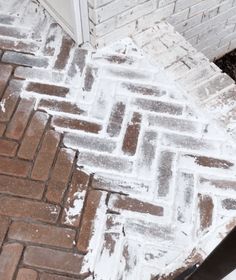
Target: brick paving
107	170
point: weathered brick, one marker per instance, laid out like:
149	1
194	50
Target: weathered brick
56	260
206	208
60	176
24	59
5	73
4	224
217	183
12	31
18	46
60	106
158	106
47	89
42	234
89	78
132	134
9	260
165	172
26	274
147	152
89	142
19	121
45	156
118	203
33	136
9	100
229	204
189	142
47	276
104	161
64	122
211	162
2	128
75	199
21	187
116	119
78	63
24	208
170	123
15	167
8	148
63	56
144	89
86	231
50	44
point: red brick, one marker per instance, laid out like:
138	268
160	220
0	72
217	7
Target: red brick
116	119
60	106
118	202
64	54
22	208
4	224
76	193
46	156
206	208
21	187
60	176
86	231
33	136
18	123
8	148
15	167
217	183
26	274
9	260
56	260
76	124
46	89
2	128
5	73
132	134
42	234
212	162
89	78
47	276
10	99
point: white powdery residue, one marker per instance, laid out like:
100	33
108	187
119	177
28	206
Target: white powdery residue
2	105
76	209
97	240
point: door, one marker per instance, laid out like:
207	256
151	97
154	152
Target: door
72	15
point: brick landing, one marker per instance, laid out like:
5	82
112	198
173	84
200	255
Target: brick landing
107	171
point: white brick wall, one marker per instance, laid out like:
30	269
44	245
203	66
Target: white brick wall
210	25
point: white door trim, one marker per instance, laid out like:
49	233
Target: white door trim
80	29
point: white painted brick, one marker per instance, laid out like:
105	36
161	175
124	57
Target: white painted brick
136	12
183	4
205	23
179	17
189	23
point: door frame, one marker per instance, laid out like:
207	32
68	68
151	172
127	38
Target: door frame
80	31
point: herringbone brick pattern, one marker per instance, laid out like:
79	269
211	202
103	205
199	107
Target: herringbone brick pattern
107	171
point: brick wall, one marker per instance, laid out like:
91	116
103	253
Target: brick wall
208	24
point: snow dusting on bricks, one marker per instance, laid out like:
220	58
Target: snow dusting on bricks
116	163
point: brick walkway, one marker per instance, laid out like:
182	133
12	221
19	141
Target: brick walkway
107	171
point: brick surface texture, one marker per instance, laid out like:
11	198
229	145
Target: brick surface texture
114	164
208	25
